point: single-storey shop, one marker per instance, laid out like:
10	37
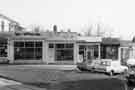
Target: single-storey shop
60	47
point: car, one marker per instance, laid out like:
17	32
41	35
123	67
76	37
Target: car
88	66
4	60
131	62
107	66
116	67
130	76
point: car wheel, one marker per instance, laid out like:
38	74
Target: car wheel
81	69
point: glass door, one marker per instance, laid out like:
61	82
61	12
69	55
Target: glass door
89	54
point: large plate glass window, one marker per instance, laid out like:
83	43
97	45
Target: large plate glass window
28	50
3	47
64	52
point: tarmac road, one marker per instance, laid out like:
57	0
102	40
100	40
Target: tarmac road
43	77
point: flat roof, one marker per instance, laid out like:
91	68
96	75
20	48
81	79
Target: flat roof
88	39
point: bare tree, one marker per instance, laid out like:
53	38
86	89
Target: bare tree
99	30
36	28
88	32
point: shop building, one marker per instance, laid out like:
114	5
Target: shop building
49	47
19	46
57	47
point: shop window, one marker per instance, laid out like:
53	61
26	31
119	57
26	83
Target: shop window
60	46
64	55
51	45
38	44
96	52
64	52
109	52
3	48
29	50
19	44
38	53
29	44
89	52
68	45
82	50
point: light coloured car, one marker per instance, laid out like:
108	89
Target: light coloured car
131	62
107	66
115	67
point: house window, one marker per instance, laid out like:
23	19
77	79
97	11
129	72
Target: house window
64	52
28	50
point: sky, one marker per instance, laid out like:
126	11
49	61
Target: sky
116	16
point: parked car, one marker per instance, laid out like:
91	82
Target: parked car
131	62
4	60
87	66
130	76
106	66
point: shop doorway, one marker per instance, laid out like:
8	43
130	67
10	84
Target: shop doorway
89	52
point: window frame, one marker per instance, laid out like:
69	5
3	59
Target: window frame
25	48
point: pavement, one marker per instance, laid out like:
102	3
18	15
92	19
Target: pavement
54	67
6	84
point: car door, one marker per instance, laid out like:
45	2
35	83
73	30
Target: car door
101	66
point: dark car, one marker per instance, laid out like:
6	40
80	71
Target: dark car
130	76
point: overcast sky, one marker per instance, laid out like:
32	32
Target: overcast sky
118	15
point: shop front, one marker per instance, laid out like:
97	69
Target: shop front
61	52
26	49
127	51
89	52
110	48
89	49
3	50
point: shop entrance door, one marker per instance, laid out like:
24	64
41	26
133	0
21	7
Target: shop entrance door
89	55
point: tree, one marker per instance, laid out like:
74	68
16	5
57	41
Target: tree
99	30
133	40
89	31
36	28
